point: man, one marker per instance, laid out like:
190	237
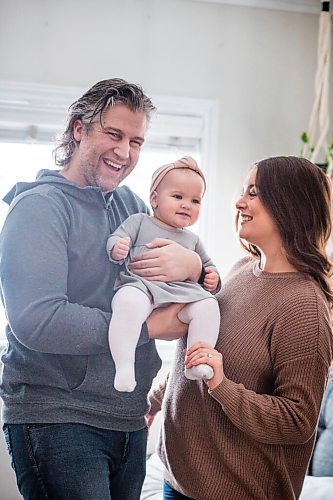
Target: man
69	433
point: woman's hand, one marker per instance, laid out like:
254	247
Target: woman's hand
203	354
149	421
167	261
164	324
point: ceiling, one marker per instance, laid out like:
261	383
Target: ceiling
309	6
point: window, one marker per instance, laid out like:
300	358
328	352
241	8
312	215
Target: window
23	161
32	115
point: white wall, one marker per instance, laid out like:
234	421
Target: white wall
258	64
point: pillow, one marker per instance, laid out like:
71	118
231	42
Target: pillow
317	488
152	488
322	457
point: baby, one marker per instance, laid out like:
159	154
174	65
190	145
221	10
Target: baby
175	195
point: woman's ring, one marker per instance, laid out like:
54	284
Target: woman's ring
209	355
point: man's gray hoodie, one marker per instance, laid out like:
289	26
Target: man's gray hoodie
57	285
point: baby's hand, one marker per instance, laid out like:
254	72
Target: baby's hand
121	248
211	280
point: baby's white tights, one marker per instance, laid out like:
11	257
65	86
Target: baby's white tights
130	309
203	318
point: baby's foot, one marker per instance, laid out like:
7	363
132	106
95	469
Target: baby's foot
199	372
124	384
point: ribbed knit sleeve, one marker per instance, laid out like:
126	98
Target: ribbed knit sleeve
156	395
300	337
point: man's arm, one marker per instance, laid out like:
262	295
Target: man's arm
34	282
164	324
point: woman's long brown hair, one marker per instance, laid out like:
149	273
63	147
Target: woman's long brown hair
297	194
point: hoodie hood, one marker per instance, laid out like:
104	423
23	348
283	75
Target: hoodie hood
51	177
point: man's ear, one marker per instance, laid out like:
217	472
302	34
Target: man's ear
153	199
77	130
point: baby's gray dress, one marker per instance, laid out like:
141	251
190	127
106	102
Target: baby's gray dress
142	229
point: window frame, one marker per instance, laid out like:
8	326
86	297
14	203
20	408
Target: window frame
34	113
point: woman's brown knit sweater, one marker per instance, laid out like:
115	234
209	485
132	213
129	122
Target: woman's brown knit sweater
252	436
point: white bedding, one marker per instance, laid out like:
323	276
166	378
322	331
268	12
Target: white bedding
317	488
153	485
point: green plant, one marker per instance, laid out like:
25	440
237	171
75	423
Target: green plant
308	149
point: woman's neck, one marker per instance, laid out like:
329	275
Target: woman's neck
275	262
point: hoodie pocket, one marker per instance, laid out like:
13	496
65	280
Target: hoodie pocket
74	369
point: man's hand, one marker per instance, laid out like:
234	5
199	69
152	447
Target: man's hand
167	261
121	248
211	280
164	324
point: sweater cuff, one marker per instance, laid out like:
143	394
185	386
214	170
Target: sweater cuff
219	390
156	395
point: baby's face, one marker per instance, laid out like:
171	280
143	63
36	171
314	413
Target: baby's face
177	199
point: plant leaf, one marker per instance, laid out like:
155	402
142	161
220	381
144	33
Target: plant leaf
305	138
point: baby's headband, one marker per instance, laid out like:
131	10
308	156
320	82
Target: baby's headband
186	162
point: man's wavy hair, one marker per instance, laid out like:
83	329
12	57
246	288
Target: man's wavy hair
93	103
298	195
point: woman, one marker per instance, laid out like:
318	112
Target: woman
250	434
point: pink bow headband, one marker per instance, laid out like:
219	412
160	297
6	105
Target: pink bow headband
186	162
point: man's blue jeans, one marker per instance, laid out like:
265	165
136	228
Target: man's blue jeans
76	462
